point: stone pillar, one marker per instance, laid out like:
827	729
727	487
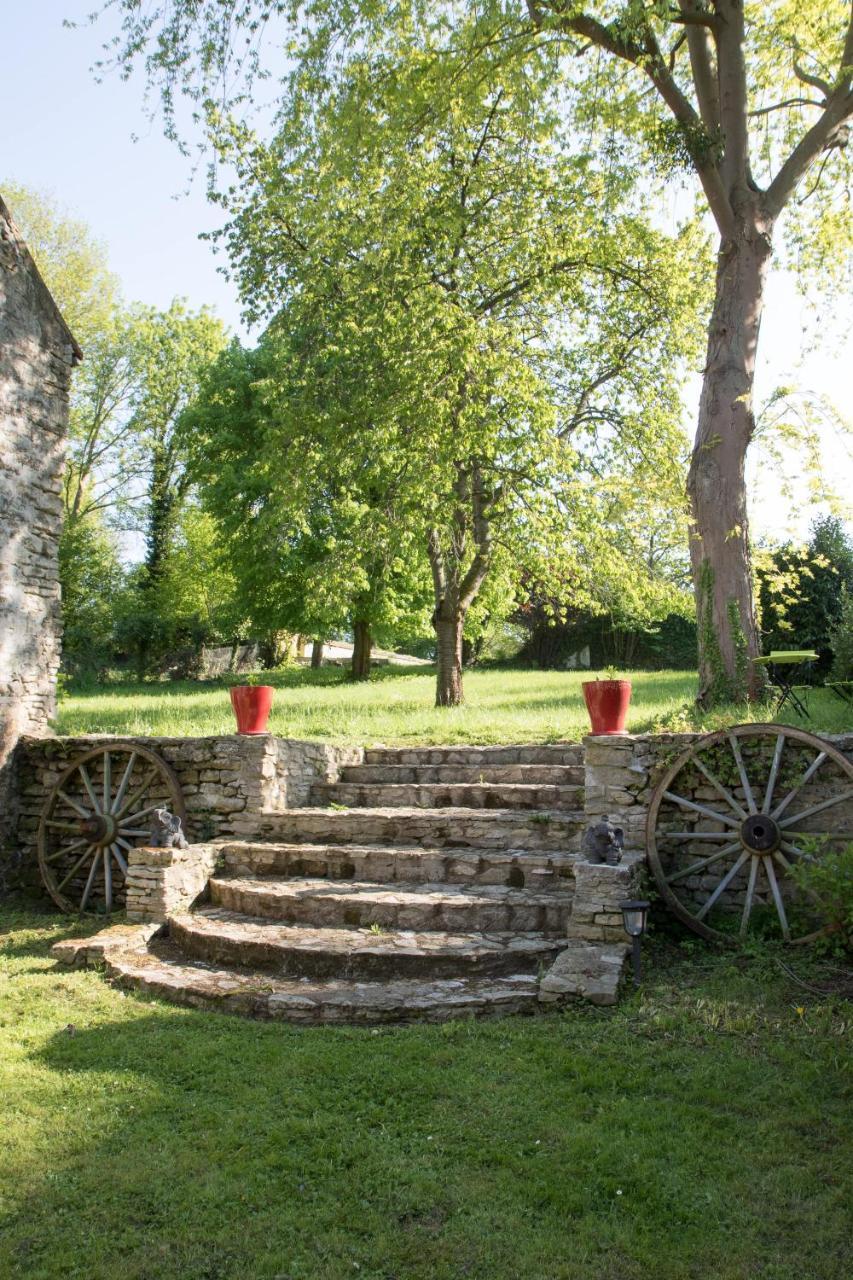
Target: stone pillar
161	882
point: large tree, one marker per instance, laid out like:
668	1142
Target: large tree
479	309
751	99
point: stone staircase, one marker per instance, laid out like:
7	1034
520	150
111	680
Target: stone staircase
425	883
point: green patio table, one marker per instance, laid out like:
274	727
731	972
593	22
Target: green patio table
783	667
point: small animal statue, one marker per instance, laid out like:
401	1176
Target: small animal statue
166	831
602	842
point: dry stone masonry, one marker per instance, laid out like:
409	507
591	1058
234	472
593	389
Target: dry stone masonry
334	884
37	354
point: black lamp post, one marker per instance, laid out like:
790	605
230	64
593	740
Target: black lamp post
634	914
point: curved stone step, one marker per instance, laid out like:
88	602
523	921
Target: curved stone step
448	795
217	936
361	904
162	971
478	828
522	753
518	868
556	774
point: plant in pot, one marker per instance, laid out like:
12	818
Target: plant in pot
607	702
252	703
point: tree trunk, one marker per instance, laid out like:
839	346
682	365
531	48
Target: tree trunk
317	653
719	544
362	645
448	654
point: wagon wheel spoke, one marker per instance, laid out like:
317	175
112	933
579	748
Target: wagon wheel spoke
719	788
72	804
774	772
122	787
90	790
69	875
116	852
69	827
134	831
741	768
777	898
108	782
92	873
750	891
140	813
697	835
137	795
704	862
65	849
108	880
817	808
807	777
722	886
684	803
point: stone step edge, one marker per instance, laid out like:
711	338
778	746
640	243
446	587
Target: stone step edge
381	754
162	974
443	812
391	773
336	939
414	892
464	851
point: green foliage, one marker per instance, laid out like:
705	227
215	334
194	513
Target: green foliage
841	638
801	591
91	577
72	262
477	348
827	876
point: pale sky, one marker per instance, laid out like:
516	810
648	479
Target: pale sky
62	132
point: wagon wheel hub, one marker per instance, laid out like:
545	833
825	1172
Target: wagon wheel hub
100	830
760	834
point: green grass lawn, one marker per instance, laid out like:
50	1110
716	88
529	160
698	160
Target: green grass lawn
396	706
700	1130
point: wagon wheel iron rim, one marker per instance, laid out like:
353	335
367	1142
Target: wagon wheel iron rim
98	811
746	839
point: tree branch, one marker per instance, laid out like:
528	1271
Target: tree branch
826	132
702	52
788	102
648	58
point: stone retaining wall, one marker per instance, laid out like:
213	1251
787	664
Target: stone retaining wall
224	780
622	772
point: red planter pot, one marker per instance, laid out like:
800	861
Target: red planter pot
607	703
252	704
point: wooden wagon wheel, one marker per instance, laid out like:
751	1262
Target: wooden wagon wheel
100	808
732	815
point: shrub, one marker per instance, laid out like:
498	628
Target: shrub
829	880
841	639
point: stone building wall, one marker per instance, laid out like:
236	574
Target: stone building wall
37	354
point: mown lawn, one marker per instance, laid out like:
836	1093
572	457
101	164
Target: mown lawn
701	1130
396	706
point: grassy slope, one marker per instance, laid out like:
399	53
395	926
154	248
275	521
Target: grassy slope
699	1130
396	706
